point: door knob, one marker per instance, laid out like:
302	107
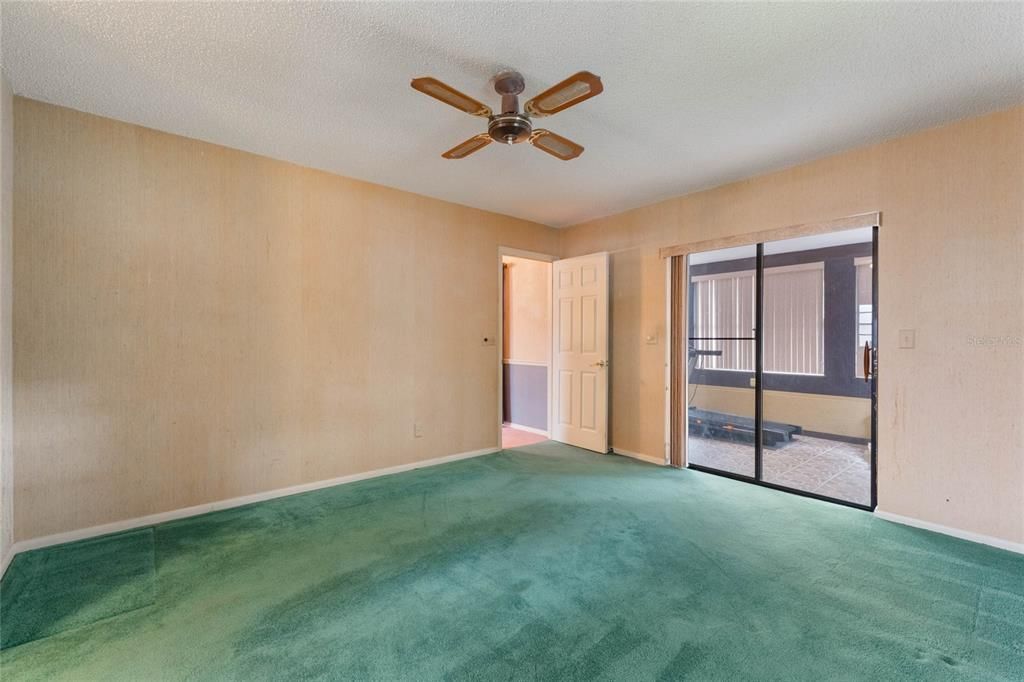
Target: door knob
602	363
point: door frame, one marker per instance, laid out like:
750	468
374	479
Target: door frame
500	338
677	379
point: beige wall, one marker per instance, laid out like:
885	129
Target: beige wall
832	414
951	266
529	311
195	323
6	291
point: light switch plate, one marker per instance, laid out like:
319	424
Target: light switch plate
907	338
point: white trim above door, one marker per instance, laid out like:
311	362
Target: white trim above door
580	360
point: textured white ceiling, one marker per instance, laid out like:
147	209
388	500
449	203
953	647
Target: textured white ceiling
695	94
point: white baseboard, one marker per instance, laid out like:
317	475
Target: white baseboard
162	517
636	455
5	561
528	429
955	532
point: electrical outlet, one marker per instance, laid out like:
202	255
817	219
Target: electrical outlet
907	338
417	430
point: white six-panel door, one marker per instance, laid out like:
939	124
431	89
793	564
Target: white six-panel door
580	367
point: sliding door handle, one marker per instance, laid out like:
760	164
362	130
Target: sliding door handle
867	361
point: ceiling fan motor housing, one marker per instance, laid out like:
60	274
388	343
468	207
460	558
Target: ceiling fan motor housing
509	128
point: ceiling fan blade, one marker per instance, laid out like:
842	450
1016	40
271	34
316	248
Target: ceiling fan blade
573	90
555	145
451	96
464	149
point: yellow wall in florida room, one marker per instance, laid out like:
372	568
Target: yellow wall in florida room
827	414
194	323
951	267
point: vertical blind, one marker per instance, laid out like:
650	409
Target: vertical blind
865	321
723	306
794	317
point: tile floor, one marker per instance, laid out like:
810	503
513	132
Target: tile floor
826	467
514	438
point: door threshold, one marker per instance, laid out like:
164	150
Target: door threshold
780	488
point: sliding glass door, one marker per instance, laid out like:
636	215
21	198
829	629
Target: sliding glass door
780	376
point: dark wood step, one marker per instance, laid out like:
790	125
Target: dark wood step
732	427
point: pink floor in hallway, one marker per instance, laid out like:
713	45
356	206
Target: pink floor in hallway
514	438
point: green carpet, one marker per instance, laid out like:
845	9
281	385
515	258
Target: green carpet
538	563
60	588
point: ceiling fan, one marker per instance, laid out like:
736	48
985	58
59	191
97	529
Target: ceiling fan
512	126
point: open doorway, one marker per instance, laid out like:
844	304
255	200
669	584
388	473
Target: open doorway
525	348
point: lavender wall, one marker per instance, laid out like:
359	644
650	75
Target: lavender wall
526	395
